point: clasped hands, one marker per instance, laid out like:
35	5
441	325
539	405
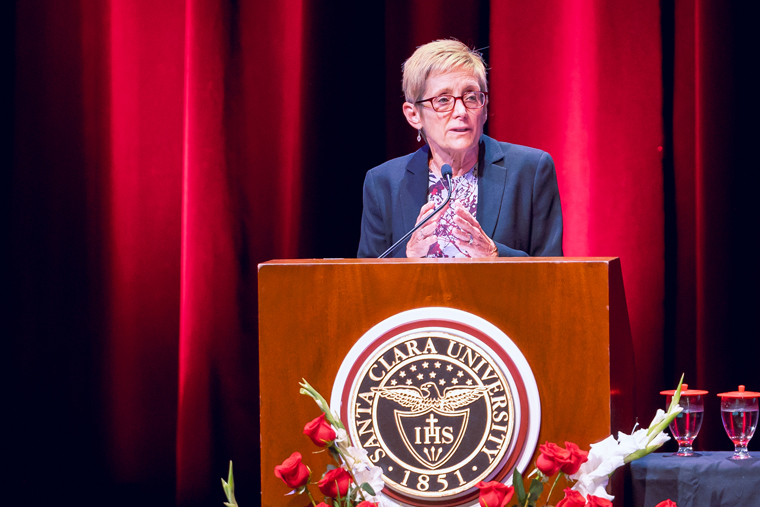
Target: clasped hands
468	236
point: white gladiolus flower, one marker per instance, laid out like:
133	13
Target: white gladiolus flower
603	459
372	475
658	417
610	454
341	438
596	486
659	439
356	455
631	443
340	434
365	471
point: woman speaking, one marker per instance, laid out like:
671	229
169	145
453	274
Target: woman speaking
505	201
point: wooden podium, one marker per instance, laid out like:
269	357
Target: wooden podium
568	316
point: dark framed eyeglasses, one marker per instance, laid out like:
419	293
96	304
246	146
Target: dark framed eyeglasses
446	102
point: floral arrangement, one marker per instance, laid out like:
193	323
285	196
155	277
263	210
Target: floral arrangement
355	482
589	471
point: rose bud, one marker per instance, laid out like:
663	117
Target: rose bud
319	431
494	494
292	472
367	503
335	483
572	499
666	503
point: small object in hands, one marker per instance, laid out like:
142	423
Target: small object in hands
739	410
471	239
686	424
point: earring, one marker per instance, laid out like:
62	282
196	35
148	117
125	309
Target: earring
419	135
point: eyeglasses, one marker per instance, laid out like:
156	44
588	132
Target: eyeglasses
445	102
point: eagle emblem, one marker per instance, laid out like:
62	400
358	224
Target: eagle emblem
427	397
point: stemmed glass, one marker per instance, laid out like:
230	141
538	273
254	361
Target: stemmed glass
739	410
686	424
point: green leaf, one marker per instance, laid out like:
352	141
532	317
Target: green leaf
229	489
517	482
308	390
536	488
366	487
677	395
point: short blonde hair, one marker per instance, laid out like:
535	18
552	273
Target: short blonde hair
436	57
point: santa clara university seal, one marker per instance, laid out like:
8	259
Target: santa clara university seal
440	399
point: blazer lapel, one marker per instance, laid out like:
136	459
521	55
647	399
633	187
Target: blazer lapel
414	186
491	183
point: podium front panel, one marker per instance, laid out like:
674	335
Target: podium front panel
567	316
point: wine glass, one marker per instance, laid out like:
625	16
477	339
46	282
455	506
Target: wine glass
739	410
686	425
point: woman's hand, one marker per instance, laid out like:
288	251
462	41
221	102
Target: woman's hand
425	236
469	237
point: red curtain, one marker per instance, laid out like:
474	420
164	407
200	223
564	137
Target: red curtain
715	111
241	204
581	80
160	151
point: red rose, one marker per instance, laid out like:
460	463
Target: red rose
595	501
551	459
572	499
577	458
319	431
322	504
292	472
666	503
494	494
335	482
366	503
554	458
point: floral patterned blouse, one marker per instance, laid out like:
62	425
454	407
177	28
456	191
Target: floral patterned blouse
466	195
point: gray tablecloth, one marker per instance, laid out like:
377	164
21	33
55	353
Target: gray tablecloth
709	480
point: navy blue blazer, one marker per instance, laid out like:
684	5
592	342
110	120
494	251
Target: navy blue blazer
518	200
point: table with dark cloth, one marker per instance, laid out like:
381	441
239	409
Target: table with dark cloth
707	480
